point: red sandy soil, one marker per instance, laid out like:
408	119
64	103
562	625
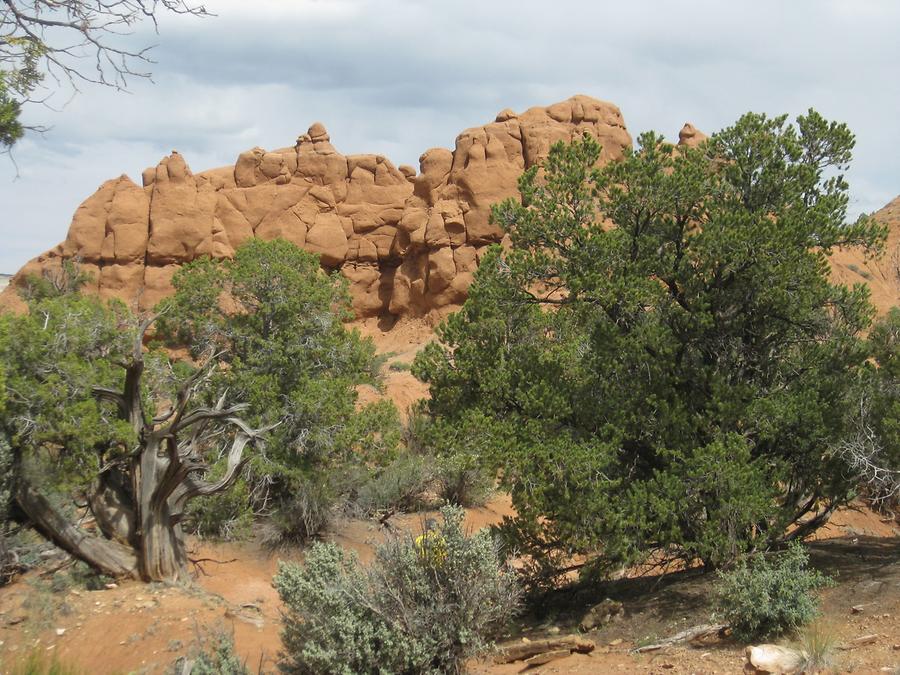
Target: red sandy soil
143	628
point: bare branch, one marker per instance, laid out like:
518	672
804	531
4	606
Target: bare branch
864	455
80	40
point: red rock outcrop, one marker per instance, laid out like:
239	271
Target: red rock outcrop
881	274
407	241
691	136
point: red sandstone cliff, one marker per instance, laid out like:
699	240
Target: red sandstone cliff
407	241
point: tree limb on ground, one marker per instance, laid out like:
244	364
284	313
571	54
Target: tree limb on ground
521	651
686	635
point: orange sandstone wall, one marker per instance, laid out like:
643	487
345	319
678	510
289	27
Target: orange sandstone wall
407	241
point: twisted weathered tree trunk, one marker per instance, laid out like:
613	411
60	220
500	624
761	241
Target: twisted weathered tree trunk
139	502
103	555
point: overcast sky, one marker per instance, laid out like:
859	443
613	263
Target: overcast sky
399	76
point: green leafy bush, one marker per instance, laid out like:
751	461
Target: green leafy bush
760	598
422	606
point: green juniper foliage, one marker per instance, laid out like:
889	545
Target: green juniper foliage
50	359
276	319
873	449
661	360
54	434
66	435
885	341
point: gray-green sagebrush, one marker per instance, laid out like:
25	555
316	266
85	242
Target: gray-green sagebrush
422	606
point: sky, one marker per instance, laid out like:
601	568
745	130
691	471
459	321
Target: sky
397	77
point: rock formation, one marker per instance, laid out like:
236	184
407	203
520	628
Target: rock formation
881	274
691	136
407	241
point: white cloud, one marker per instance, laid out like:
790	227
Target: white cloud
400	76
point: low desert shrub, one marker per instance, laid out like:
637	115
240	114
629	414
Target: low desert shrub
400	485
423	606
462	480
460	474
216	656
760	598
300	518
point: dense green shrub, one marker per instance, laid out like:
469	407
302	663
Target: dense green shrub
422	606
276	322
661	360
301	516
873	451
760	598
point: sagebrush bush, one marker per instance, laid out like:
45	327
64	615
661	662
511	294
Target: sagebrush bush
216	656
400	485
422	606
760	598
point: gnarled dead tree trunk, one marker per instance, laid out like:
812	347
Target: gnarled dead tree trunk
140	500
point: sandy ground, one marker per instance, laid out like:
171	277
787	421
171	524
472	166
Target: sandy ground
143	628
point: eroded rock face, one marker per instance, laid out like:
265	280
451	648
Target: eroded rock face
407	242
691	136
880	273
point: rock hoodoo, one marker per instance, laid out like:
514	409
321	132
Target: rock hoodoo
407	241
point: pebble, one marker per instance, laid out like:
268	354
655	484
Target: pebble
60	631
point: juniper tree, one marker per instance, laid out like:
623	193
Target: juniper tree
661	361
